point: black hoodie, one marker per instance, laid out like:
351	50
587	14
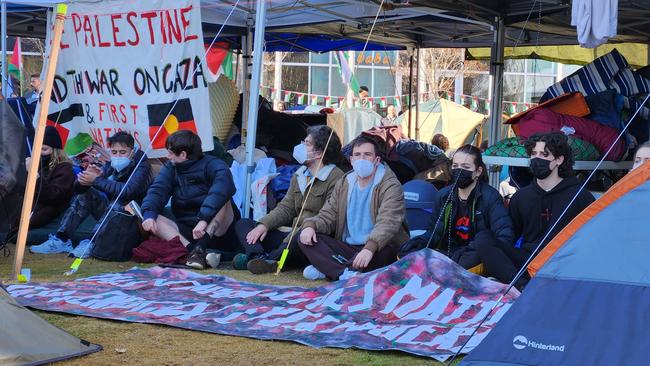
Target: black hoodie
533	210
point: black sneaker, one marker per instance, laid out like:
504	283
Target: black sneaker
196	259
261	266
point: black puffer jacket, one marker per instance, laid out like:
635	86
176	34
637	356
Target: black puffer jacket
111	182
487	212
198	190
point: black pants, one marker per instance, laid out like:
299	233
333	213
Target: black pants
226	243
272	245
320	255
502	260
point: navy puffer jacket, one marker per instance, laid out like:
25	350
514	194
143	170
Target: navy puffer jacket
198	189
489	214
112	182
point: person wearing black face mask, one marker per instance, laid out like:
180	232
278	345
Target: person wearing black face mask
55	181
468	213
535	208
54	186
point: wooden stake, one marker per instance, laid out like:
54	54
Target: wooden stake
28	200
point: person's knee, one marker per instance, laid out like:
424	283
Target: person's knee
484	240
244	226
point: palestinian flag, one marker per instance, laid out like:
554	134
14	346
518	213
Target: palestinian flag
314	100
169	118
287	97
398	103
383	102
301	98
16	63
57	119
328	102
219	59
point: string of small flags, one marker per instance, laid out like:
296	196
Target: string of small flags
477	104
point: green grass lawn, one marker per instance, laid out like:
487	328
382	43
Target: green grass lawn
144	344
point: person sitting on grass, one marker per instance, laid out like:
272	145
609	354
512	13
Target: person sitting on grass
201	189
466	213
362	224
97	188
538	207
262	241
54	185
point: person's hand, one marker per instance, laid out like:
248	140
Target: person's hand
95	169
92	173
83	179
199	230
308	236
28	162
257	234
150	225
362	259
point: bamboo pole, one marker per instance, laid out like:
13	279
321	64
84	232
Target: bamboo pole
28	200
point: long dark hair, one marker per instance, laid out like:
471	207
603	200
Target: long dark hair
475	153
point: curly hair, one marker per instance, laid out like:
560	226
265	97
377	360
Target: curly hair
320	135
557	144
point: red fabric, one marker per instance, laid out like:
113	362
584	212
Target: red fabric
386	136
545	120
156	250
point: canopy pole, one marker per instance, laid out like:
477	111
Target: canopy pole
410	112
5	80
417	94
245	78
253	100
496	107
28	199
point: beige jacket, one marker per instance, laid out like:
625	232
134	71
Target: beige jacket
388	212
286	212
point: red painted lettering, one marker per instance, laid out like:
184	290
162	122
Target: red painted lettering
116	30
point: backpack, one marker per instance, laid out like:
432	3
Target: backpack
117	238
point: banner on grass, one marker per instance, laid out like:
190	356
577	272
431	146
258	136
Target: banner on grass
423	304
131	66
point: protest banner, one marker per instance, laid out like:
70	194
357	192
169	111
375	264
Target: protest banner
423	304
131	66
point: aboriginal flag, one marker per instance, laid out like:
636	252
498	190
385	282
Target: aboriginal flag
65	115
172	118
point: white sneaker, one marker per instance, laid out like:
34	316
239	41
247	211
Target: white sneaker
83	250
311	273
52	245
213	259
347	274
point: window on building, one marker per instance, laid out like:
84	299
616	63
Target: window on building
296	57
319	82
384	83
338	88
295	78
320	58
364	76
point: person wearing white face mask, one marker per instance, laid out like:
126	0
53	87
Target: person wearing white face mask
263	241
96	188
363	222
